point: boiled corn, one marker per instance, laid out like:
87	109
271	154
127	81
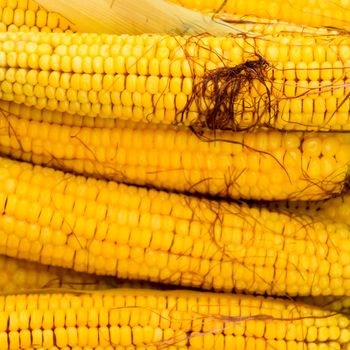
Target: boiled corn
283	82
131	318
263	164
130	232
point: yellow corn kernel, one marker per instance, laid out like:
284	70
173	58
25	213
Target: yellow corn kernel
151	235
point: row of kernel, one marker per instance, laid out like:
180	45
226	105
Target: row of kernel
248	187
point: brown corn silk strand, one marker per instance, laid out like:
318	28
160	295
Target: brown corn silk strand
242	81
130	232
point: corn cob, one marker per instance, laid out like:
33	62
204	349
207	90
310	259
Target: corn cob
336	208
318	170
27	15
130	232
263	164
321	13
18	276
139	319
282	82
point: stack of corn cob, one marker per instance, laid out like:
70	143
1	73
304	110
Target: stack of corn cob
150	182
